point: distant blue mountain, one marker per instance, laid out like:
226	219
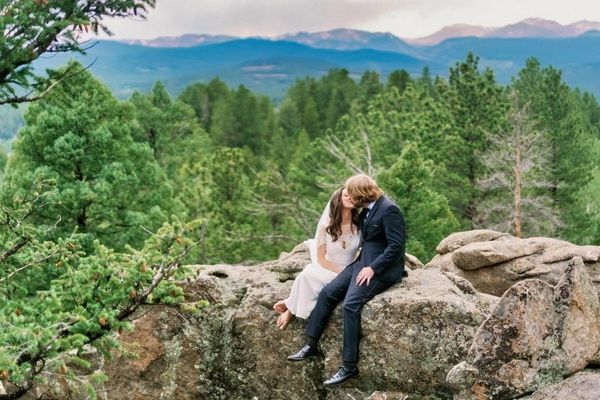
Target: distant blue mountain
266	66
353	39
557	51
578	57
270	66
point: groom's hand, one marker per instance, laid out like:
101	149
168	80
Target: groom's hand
365	275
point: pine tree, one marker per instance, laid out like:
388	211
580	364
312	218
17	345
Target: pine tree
478	106
426	82
335	92
410	181
289	117
563	115
59	298
368	87
338	106
243	119
170	128
107	186
203	99
219	189
310	118
398	79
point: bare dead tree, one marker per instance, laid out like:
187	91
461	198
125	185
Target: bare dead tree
517	183
352	149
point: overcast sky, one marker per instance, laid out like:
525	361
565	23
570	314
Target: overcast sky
404	18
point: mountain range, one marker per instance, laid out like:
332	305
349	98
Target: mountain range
528	28
271	65
348	39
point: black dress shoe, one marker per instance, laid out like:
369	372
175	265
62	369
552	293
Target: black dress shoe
343	375
305	353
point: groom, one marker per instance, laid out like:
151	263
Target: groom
379	265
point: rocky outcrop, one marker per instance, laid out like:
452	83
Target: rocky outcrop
484	254
413	334
459	239
494	261
536	336
441	333
584	385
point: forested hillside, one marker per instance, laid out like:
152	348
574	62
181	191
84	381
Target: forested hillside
456	153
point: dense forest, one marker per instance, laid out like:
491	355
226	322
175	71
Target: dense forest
455	154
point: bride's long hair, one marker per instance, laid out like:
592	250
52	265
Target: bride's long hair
335	215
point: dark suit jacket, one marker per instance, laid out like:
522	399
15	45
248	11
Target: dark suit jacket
383	241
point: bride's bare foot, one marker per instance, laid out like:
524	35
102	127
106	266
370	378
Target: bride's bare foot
280	307
284	319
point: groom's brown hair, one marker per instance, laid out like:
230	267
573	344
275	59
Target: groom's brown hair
363	189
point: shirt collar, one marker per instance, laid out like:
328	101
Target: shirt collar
371	204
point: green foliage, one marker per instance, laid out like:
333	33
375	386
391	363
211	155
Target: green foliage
203	98
368	87
426	82
107	185
170	129
90	178
32	27
219	189
398	79
290	118
3	159
59	297
570	122
319	104
243	119
411	182
478	106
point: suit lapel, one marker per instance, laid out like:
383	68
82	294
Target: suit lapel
370	216
361	218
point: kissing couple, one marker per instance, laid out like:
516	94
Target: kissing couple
354	257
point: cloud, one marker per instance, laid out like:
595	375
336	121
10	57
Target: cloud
405	18
256	17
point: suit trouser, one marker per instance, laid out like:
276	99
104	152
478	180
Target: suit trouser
344	287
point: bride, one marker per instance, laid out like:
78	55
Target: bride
334	247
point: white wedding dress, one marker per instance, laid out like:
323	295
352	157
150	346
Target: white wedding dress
313	278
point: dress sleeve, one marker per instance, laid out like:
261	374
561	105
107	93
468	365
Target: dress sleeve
321	236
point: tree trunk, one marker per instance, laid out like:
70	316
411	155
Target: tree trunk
518	182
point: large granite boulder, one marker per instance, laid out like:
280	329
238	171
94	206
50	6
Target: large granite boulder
494	261
536	336
484	254
459	239
584	385
231	349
